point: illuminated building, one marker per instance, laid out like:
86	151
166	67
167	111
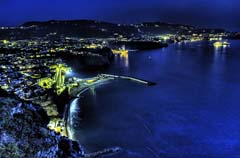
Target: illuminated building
5	41
119	51
58	79
123	54
46	82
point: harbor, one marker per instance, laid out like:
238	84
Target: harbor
75	87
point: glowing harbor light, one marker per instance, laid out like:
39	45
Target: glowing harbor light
165	38
5	41
221	44
69	72
217	44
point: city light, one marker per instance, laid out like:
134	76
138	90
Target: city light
221	44
38	58
69	73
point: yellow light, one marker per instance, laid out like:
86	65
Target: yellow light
52	51
5	87
92	46
57	125
5	41
90	81
123	54
165	38
221	44
46	83
119	51
61	49
58	79
217	44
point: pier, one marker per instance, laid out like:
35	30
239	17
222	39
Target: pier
85	84
130	78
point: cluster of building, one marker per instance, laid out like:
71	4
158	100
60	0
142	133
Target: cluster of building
24	61
28	68
23	64
188	37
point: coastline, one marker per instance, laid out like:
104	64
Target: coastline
71	108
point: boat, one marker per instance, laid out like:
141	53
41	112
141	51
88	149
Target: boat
221	44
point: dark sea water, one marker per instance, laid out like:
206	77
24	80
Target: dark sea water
192	112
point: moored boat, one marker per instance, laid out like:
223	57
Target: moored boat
221	44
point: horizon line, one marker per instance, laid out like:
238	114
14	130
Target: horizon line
122	23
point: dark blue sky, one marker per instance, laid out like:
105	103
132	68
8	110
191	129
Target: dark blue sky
210	13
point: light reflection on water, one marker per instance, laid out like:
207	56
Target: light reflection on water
123	59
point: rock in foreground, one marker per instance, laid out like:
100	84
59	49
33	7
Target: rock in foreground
23	133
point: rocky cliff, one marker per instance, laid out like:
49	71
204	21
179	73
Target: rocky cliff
23	133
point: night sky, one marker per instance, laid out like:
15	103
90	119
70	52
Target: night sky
209	13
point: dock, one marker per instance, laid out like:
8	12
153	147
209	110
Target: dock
130	78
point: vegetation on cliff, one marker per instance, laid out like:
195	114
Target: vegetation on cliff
23	133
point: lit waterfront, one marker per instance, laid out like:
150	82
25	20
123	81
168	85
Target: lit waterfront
119	79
